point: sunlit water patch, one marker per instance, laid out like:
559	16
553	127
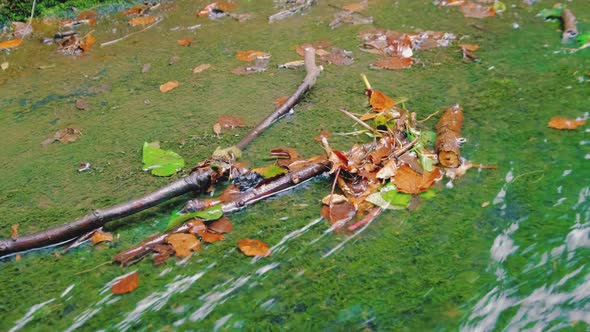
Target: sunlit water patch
551	290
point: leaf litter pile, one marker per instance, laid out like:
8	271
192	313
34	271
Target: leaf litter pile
401	165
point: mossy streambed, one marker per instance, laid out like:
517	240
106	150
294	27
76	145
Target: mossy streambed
519	263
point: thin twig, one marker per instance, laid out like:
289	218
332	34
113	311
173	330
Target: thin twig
32	13
428	117
133	33
313	71
350	115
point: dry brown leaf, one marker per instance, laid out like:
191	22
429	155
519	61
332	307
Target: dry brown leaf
254	248
67	135
564	123
208	9
81	104
280	101
394	63
217	129
250	55
210	237
11	43
221	225
169	86
196	225
183	244
230	121
133	11
87	15
201	68
341	212
143	20
410	182
100	236
126	284
469	47
185	41
88	41
226	5
475	10
355	7
319	46
162	253
380	102
14	231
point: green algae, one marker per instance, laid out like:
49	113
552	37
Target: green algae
417	270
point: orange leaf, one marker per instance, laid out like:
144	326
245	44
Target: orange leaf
249	55
87	15
379	101
209	8
14	231
280	101
318	45
410	182
169	86
88	41
355	7
226	6
183	244
254	248
185	41
394	63
196	226
100	236
341	212
201	68
133	11
11	43
126	284
221	225
143	20
476	10
230	121
469	47
210	237
564	123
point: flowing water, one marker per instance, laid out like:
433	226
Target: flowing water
452	263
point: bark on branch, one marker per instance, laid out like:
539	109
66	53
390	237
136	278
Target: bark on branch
199	180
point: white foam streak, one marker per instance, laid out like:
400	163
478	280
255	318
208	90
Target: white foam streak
29	315
157	300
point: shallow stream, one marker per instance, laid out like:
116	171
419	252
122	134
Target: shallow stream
452	263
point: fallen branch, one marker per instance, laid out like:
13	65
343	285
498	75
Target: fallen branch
133	33
313	71
248	197
199	180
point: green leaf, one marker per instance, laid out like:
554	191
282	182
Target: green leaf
390	198
160	162
551	12
212	213
427	137
428	194
583	38
426	162
272	171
